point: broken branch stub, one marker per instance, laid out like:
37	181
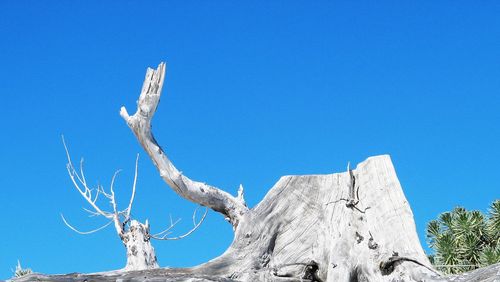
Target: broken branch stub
342	227
232	208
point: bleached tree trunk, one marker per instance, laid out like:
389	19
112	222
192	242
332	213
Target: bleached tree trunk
140	253
134	235
351	226
300	231
303	230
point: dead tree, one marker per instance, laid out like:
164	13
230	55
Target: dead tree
352	226
342	227
135	236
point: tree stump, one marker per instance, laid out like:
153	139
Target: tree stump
306	230
344	227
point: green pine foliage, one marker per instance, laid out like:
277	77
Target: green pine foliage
465	240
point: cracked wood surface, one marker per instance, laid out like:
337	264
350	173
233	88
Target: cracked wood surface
293	235
198	192
307	228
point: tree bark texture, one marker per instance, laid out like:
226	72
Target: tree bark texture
232	208
302	231
343	227
305	229
140	253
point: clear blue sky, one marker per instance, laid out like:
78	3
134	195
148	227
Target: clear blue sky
254	91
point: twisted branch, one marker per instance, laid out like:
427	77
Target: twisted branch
218	200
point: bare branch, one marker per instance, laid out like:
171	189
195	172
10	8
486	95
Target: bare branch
92	213
80	184
116	214
86	192
166	231
96	195
84	232
196	225
113	201
197	192
81	171
101	190
133	189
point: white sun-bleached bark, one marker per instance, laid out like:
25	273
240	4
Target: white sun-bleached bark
133	234
163	235
92	195
310	231
233	208
343	227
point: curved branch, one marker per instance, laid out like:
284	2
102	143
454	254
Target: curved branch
116	214
166	232
86	192
196	225
140	123
387	267
112	200
129	208
84	232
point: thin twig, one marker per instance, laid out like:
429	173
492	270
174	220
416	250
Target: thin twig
84	232
133	188
186	234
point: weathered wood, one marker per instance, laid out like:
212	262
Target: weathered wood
133	234
302	222
140	253
486	274
350	226
301	231
140	124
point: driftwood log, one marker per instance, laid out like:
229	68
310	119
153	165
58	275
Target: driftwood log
351	226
